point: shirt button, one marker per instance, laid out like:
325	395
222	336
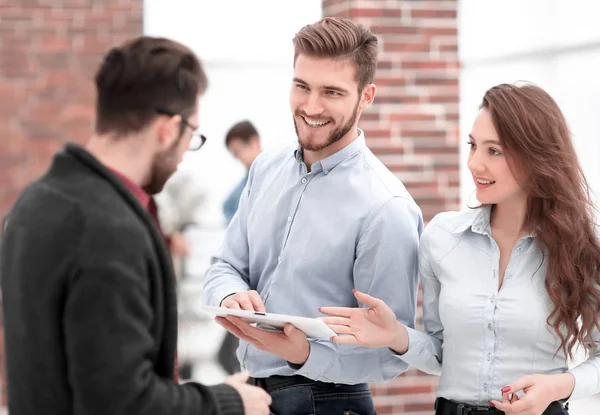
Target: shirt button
493	299
304	180
278	259
490	326
485	387
326	172
519	249
489	356
508	276
289	218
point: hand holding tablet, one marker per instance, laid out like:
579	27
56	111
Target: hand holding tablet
312	327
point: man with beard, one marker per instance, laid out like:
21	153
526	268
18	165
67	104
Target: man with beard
88	286
314	222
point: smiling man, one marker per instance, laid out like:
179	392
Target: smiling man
314	222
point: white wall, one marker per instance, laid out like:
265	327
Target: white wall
246	48
552	43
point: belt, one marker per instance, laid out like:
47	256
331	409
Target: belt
275	382
446	407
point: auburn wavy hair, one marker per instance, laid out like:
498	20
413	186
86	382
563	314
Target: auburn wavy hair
534	133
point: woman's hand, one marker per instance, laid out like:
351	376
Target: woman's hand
540	392
375	326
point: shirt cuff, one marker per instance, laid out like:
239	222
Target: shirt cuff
413	356
228	400
320	359
222	292
583	388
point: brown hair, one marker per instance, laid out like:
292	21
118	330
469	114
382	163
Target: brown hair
332	37
243	130
141	76
535	135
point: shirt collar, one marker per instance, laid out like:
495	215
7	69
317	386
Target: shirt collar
329	163
139	193
479	222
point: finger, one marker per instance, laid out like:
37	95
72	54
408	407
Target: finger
250	331
338	311
514	398
232	328
348	339
267	399
293	333
368	300
505	407
245	303
240	377
338	321
340	329
505	397
256	301
519	384
231	304
520	405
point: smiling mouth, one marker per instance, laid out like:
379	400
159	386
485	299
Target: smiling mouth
315	123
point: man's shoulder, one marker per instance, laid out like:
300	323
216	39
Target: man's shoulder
381	180
275	156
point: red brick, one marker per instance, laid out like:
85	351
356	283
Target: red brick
375	12
406	47
425	64
412	116
437	31
418	13
424	133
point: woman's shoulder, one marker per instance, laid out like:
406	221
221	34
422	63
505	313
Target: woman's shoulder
455	222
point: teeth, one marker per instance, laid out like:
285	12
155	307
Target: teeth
485	181
315	123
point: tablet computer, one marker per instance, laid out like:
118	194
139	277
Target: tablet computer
313	328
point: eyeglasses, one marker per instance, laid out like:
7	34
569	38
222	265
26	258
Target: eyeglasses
198	139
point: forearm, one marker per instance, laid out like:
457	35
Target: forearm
563	386
420	350
586	378
221	280
159	396
329	362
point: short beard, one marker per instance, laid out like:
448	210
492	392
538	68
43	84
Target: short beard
335	136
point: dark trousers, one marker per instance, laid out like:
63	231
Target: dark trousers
297	395
227	357
447	407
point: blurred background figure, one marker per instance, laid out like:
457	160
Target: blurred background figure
243	142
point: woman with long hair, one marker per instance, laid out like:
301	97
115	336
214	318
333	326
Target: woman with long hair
511	288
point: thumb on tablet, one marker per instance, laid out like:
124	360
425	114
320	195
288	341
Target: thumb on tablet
292	331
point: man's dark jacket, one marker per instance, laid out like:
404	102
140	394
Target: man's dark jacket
89	300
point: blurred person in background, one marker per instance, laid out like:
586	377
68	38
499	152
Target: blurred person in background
180	204
511	288
314	221
89	290
243	142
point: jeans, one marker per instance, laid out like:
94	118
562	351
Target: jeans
322	399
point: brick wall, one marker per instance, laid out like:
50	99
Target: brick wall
413	128
49	51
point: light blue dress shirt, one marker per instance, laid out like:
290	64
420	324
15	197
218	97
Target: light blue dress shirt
481	338
304	240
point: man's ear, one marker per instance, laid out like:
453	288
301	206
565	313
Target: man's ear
168	130
367	96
